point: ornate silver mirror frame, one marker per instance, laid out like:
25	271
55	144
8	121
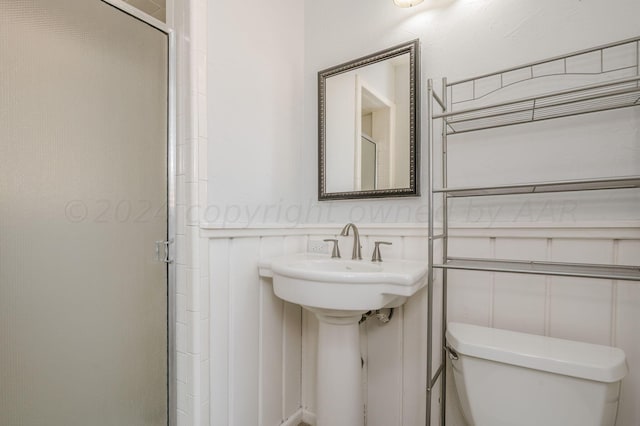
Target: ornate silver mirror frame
409	185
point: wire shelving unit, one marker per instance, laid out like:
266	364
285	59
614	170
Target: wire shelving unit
612	81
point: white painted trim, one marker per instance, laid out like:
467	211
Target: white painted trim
309	417
294	419
588	230
323	229
261	350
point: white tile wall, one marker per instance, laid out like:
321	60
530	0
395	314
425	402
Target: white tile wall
193	332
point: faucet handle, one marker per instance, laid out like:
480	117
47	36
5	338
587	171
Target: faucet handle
377	257
335	253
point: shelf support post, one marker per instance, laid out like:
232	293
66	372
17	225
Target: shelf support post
430	274
445	247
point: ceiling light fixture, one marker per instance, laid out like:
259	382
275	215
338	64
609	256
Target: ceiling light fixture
407	3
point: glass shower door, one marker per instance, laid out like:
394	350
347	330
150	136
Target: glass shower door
83	192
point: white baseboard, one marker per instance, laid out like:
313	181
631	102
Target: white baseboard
309	417
300	416
294	419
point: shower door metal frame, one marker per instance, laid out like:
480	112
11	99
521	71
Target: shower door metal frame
171	197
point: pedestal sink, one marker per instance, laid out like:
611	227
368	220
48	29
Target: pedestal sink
338	292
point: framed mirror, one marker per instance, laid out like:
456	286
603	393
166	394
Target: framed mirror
368	140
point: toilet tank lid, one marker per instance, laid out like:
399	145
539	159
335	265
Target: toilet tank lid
567	357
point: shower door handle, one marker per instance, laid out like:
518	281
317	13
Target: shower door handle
162	251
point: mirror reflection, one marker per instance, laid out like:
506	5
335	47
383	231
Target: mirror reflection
368	115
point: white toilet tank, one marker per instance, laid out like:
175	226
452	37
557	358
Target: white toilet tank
505	378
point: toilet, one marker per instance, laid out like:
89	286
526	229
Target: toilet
506	378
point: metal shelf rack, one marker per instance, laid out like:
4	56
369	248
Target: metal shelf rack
581	270
625	182
597	97
612	82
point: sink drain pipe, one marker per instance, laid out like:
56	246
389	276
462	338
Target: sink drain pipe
382	315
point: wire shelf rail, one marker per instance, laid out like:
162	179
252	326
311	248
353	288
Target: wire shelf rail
593	98
625	182
580	270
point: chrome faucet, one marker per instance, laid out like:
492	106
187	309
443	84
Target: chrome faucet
356	254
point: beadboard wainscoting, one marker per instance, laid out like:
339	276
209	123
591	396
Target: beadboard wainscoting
263	349
590	310
256	337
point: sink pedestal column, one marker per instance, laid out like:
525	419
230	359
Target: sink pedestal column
339	383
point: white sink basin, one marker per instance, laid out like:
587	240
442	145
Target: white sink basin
317	281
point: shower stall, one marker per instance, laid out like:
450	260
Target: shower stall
85	216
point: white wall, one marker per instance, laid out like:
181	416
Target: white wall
191	254
262	66
254	73
464	38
